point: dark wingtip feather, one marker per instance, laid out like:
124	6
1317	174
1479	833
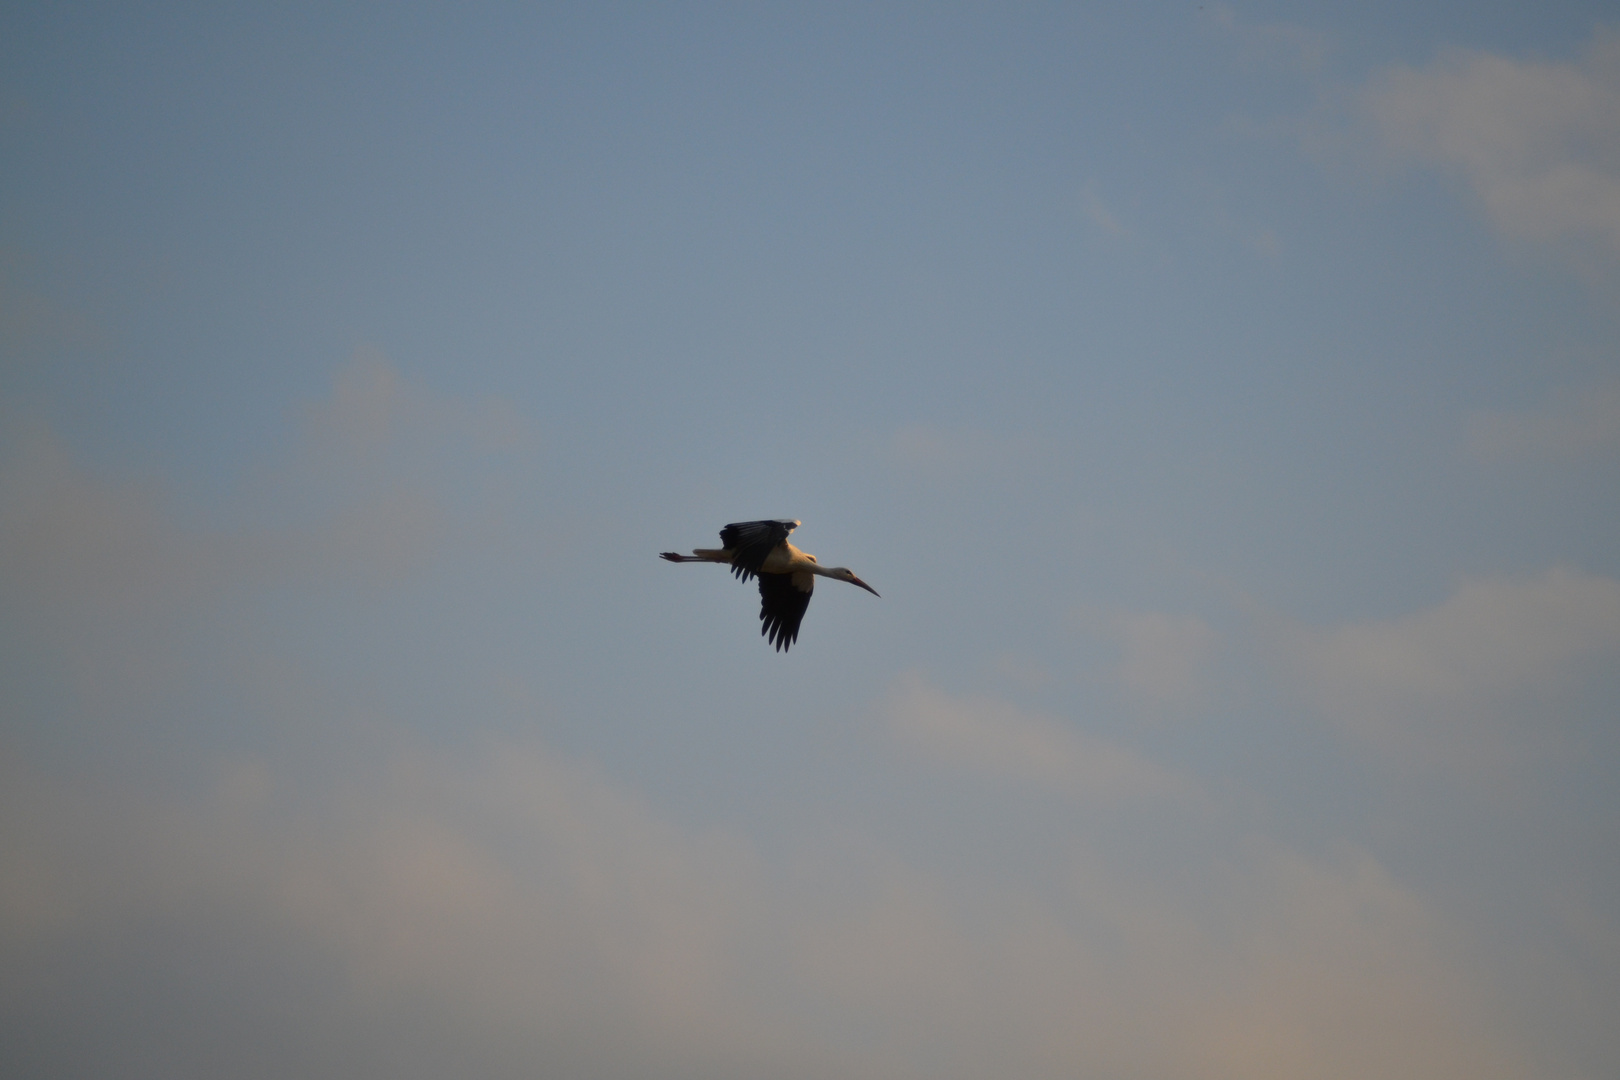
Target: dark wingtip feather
781	608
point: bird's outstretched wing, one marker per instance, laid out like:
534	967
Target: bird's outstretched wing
750	541
783	600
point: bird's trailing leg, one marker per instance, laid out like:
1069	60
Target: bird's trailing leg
719	555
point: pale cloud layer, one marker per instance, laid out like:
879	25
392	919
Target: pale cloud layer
1166	660
1536	140
954	451
1101	216
524	913
393	909
1454	681
996	739
1290	46
1569	425
1208	727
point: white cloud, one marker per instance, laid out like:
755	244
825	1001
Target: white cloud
34	326
1264	242
1022	670
997	739
527	902
1536	140
931	448
1098	213
1569	424
141	624
372	407
1285	45
365	495
366	907
1166	659
1450	681
522	910
94	577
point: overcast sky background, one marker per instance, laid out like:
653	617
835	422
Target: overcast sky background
1224	400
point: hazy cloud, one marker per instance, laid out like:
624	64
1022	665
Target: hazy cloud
1276	44
521	912
1536	140
32	324
929	447
135	615
372	407
395	751
1569	424
1022	670
1166	659
519	899
1098	213
371	905
95	577
997	739
1448	681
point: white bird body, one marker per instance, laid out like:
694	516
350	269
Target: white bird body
784	558
786	575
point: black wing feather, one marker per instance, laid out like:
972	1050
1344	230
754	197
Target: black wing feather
782	605
751	541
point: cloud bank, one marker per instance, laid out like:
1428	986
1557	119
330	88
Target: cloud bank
1569	425
1535	140
1463	681
298	876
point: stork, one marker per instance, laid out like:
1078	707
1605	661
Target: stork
786	574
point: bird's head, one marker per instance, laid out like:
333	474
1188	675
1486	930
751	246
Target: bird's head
845	574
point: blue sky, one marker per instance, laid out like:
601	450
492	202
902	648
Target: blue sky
1224	400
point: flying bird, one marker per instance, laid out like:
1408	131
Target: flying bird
786	574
